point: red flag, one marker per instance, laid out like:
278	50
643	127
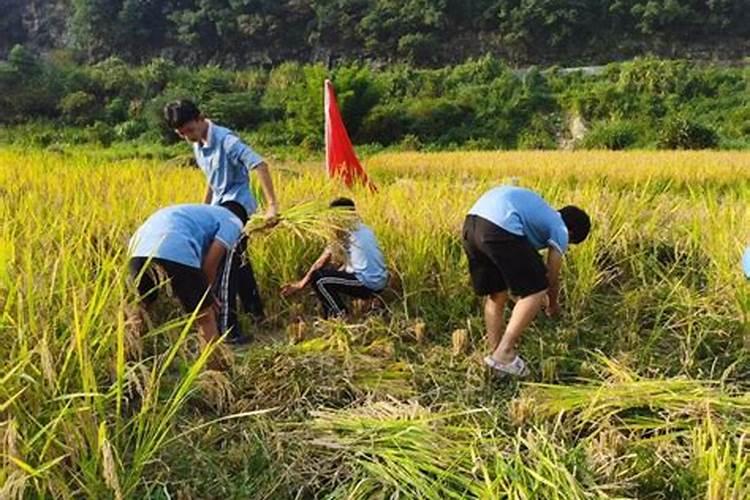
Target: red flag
341	160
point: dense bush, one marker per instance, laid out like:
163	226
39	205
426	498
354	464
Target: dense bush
129	130
242	32
100	133
238	110
478	104
683	133
385	124
80	108
614	135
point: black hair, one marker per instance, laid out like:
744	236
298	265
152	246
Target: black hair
342	203
178	113
577	221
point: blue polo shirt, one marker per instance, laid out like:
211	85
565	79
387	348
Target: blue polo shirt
365	258
524	213
183	233
226	161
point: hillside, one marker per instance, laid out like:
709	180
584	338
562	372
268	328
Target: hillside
422	32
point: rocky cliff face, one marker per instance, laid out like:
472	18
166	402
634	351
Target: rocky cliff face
39	24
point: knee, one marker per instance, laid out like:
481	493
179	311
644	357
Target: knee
540	295
498	299
315	277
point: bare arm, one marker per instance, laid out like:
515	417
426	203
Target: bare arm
292	288
212	260
554	263
266	183
208	196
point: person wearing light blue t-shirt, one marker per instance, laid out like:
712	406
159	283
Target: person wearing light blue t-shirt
188	244
363	274
226	162
502	235
746	263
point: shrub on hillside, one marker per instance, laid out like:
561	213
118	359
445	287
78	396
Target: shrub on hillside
116	110
614	135
683	133
384	124
80	108
100	133
435	119
129	130
238	110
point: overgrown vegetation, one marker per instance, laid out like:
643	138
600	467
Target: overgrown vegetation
422	32
481	104
639	390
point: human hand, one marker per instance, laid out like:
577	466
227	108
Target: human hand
291	288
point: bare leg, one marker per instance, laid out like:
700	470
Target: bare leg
207	325
494	308
523	314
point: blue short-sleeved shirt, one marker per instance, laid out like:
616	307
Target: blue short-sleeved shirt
183	233
226	162
365	258
524	213
746	263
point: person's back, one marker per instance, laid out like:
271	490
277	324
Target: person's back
502	235
365	258
183	233
524	213
188	243
222	149
363	275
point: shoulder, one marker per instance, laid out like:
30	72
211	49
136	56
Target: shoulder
230	139
363	233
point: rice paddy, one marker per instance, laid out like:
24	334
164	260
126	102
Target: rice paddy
639	390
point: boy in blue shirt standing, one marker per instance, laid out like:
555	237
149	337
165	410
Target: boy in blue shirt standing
502	235
226	161
188	244
363	274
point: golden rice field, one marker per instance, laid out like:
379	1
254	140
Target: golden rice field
639	390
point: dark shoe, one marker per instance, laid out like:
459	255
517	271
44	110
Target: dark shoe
238	340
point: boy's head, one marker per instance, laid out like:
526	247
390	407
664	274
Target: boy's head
343	203
577	221
346	205
185	119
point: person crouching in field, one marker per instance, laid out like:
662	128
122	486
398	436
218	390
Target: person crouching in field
226	162
188	244
363	275
502	234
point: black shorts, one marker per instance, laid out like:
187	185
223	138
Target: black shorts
499	260
188	284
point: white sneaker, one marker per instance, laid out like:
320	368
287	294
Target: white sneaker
516	368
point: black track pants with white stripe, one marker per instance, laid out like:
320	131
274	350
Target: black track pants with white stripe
329	284
225	288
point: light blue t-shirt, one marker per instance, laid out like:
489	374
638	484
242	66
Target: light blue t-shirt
524	213
365	259
746	262
226	162
183	233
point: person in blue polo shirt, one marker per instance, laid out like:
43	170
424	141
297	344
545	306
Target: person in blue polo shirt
502	235
226	162
363	275
187	244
